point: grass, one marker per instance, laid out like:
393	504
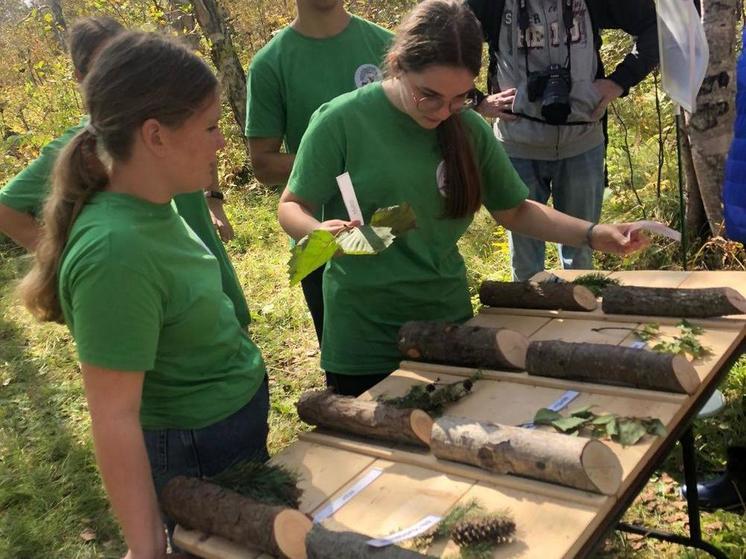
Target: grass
51	500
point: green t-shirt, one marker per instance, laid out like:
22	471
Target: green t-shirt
28	191
391	159
293	75
141	292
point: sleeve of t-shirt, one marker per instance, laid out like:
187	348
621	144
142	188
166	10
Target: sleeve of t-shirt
320	159
502	187
28	190
265	110
117	315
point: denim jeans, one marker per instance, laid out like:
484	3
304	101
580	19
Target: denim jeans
576	185
208	451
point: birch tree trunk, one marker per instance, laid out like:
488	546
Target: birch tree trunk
59	26
212	19
181	18
710	129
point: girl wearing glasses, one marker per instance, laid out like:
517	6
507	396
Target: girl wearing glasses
409	139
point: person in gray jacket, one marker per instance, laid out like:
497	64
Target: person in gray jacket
550	101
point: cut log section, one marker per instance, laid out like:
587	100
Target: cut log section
572	461
201	505
325	544
370	419
611	364
669	301
467	346
535	295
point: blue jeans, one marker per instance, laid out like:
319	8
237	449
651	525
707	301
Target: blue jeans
576	185
208	451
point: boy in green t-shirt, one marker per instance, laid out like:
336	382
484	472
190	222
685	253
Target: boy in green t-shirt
22	199
324	53
409	139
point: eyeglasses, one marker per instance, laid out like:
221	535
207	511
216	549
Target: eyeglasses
433	103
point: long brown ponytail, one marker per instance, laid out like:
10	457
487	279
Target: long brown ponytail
446	33
137	76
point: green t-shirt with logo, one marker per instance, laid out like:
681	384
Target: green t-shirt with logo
293	75
141	292
391	160
27	192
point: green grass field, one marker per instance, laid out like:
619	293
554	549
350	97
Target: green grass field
52	504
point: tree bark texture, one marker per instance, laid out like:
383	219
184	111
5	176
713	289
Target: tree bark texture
710	127
467	346
610	364
572	461
366	418
324	544
534	295
201	505
214	24
671	301
59	25
181	18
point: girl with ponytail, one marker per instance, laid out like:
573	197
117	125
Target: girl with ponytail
173	382
412	138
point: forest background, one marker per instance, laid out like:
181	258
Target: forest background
52	503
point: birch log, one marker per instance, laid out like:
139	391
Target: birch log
671	301
370	419
200	505
467	346
610	364
535	295
325	544
572	461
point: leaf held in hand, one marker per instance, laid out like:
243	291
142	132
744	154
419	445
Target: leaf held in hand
311	252
399	218
365	239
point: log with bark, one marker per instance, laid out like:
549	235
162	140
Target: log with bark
670	301
467	346
366	418
200	505
536	295
611	364
572	461
324	544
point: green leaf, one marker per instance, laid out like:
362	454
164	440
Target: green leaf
630	431
612	428
656	427
545	416
399	218
584	412
603	419
567	424
365	239
311	252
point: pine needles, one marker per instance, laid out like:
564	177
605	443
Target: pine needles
272	485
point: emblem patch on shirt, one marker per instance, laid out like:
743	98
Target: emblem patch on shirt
367	73
440	177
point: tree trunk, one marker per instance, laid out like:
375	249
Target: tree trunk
204	506
214	24
534	295
370	419
710	127
323	544
572	461
671	301
183	21
59	26
467	346
610	364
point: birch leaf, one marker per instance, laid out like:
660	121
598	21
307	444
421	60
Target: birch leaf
311	252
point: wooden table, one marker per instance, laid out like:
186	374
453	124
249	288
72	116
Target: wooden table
552	521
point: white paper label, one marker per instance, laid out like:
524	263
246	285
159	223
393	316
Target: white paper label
655	227
350	199
412	532
638	344
559	404
348	495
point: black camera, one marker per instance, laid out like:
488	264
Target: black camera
553	87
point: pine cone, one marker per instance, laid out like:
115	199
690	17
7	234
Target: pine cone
483	530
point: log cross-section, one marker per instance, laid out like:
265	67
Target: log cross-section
610	364
572	461
670	301
537	295
366	418
467	346
201	505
